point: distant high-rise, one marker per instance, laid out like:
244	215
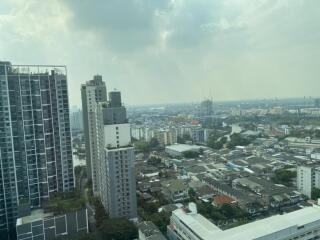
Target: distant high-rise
206	108
92	92
35	137
116	172
317	102
77	120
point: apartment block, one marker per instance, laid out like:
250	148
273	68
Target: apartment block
92	93
308	177
117	181
35	137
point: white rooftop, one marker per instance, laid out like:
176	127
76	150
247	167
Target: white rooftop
208	231
183	147
199	224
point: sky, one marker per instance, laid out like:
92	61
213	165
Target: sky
167	51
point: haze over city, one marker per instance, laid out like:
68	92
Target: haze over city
171	50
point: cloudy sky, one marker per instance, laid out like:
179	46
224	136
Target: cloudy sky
160	51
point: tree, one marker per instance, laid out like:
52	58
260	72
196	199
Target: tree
154	143
237	140
150	208
201	151
100	212
225	212
154	160
192	194
180	140
216	140
190	154
315	193
148	211
228	211
284	176
232	212
220	143
161	220
118	228
163	174
317	133
146	147
211	212
142	146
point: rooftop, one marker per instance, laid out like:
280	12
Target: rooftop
175	185
222	199
35	215
183	148
150	231
268	226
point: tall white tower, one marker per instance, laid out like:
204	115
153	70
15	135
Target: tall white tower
116	172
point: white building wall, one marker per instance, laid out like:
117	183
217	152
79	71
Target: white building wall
137	132
117	135
315	156
317	178
304	180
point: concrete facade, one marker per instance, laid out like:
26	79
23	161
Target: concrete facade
92	93
308	177
116	172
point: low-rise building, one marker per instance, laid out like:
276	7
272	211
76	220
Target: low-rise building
149	231
187	224
179	149
175	191
40	225
247	201
272	195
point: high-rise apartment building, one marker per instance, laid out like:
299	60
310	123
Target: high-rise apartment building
76	120
92	92
308	178
206	108
35	137
117	182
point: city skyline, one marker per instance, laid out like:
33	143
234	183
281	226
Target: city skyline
170	119
172	50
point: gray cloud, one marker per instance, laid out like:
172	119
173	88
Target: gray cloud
171	50
122	25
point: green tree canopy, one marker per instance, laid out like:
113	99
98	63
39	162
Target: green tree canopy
284	176
315	193
118	228
190	154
